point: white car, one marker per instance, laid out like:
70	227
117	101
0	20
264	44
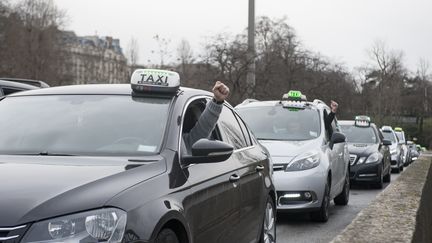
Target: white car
310	162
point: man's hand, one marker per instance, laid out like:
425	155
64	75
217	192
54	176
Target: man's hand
220	91
334	106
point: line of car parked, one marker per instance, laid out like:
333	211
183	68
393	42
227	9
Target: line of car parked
104	163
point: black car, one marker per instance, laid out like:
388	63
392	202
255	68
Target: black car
103	163
12	85
370	160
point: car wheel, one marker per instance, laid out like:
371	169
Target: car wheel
167	236
268	234
380	183
343	197
323	213
387	178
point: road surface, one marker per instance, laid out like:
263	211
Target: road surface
298	228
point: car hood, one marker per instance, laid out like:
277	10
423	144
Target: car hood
36	188
290	149
362	148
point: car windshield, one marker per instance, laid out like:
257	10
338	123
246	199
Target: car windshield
356	134
389	136
91	125
401	137
278	123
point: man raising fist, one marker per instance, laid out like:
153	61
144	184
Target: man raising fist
209	117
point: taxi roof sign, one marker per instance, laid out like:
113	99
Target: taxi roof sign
398	129
155	81
294	95
362	121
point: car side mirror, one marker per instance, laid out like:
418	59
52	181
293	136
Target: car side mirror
387	142
337	137
208	151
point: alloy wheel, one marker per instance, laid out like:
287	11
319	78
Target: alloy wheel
269	224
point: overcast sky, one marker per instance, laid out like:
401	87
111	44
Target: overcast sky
340	29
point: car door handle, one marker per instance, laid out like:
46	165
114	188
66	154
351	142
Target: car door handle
260	168
234	178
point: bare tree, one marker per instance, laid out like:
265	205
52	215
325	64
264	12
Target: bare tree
132	52
163	51
33	39
185	56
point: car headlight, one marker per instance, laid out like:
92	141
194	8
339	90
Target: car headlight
307	161
373	158
104	225
361	160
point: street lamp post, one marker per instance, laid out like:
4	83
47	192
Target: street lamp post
250	78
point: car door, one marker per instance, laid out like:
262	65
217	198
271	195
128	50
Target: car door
251	165
339	149
385	151
212	209
334	160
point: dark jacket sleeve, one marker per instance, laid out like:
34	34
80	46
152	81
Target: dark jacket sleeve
205	124
328	119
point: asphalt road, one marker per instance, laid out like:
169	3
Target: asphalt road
299	228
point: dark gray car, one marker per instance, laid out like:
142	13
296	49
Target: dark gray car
103	163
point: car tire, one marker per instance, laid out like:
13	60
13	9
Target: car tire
380	183
343	198
387	178
268	231
167	236
322	214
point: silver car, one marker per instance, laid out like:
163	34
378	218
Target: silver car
310	162
396	150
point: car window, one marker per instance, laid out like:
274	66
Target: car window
389	136
245	131
91	125
8	91
279	123
381	136
230	129
356	134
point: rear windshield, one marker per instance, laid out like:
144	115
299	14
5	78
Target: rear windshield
278	123
356	134
92	125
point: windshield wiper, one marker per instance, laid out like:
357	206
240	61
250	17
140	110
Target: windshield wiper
45	153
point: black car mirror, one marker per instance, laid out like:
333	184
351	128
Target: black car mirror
387	142
209	151
337	137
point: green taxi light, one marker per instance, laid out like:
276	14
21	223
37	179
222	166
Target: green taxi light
398	129
294	94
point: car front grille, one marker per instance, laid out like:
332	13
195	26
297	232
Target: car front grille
353	159
11	234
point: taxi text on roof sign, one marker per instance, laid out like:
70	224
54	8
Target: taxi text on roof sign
362	121
294	94
155	81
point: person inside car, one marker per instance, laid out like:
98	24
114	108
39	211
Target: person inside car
328	118
202	126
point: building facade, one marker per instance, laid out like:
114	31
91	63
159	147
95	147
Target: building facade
94	59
